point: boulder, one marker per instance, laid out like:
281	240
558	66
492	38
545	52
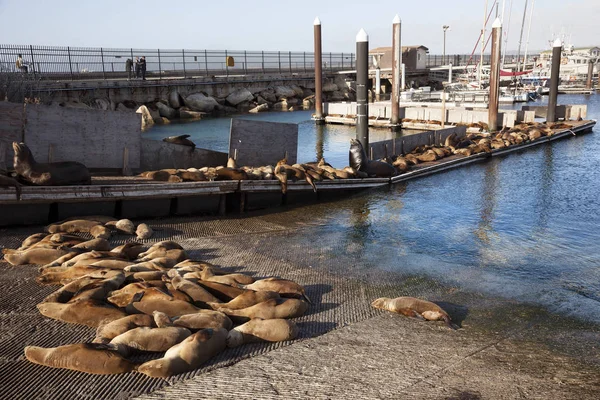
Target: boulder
186	113
260	100
298	90
284	92
336	96
244	106
166	111
292	102
147	120
132	105
74	104
175	99
121	107
280	106
101	104
307	93
240	96
269	95
200	102
330	87
259	108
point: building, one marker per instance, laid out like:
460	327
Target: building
593	52
413	57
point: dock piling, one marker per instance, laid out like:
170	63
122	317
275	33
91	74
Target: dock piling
495	76
319	119
554	78
362	79
590	75
396	67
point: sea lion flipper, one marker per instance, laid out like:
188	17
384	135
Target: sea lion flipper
409	312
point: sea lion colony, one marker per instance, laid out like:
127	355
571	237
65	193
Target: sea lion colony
360	167
152	299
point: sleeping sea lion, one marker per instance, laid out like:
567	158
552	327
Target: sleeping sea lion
123	226
208	274
31	240
143	231
109	331
150	339
165	245
182	140
270	309
35	256
150	301
77	225
187	355
93	358
221	291
85	312
257	330
203	319
413	307
245	300
284	287
51	174
196	292
124	296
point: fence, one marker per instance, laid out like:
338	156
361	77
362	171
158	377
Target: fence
436	60
78	63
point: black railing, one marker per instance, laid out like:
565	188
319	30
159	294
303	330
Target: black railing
436	60
79	63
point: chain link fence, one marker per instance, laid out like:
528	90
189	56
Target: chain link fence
83	63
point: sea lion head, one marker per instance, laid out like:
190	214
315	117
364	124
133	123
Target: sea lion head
380	302
22	153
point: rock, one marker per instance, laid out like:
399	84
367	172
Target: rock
292	101
166	111
200	102
280	106
269	95
260	100
336	96
298	90
122	107
186	113
330	87
101	104
284	92
175	99
147	120
240	96
74	104
245	106
259	108
308	93
227	110
132	105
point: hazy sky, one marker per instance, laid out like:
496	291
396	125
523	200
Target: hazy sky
283	25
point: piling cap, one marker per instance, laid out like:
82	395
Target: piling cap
317	21
557	43
397	19
497	23
362	36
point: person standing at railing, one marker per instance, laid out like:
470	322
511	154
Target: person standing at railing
20	64
137	67
143	67
128	66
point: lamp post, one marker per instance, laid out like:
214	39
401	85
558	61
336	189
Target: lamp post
445	28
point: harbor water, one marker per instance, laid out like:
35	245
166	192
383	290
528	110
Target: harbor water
523	227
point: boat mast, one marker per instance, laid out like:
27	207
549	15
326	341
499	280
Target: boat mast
506	32
482	43
521	38
528	32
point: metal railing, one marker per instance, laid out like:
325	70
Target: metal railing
82	63
436	60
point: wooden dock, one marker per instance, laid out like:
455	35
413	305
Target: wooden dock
132	197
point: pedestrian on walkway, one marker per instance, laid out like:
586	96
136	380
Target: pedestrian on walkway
137	67
20	64
143	67
128	66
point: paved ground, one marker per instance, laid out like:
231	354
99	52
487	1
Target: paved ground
346	349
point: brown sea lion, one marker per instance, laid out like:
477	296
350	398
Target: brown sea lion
150	339
31	240
123	226
144	231
165	245
208	274
99	289
98	244
182	140
86	312
124	296
149	301
60	276
93	358
6	181
130	250
203	319
231	163
146	276
173	254
100	231
401	164
221	291
196	292
187	355
427	156
231	174
245	300
77	225
66	293
258	330
284	287
195	176
157	264
413	307
270	309
51	174
35	256
108	331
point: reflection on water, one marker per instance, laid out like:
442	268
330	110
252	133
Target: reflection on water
524	226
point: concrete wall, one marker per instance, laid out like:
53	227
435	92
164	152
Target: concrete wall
261	143
93	137
159	155
11	130
563	111
408	141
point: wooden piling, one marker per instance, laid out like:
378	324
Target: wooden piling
495	76
396	67
554	78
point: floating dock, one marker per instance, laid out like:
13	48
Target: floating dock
136	197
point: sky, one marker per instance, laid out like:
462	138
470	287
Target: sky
285	25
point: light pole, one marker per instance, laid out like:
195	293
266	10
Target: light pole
445	28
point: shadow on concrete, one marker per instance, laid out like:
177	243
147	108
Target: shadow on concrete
457	312
310	329
318	308
464	396
315	292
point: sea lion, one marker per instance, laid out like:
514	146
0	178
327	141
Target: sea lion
208	274
245	300
221	291
124	296
77	225
66	293
187	355
177	255
99	289
284	287
150	339
31	240
357	156
146	276
51	174
123	226
203	319
149	301
98	244
232	174
85	312
413	307
161	176
60	276
194	176
157	264
35	256
258	330
196	292
165	245
270	309
143	231
401	164
130	250
231	163
109	331
93	358
182	140
100	231
427	156
6	181
379	169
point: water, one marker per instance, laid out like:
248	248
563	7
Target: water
524	226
